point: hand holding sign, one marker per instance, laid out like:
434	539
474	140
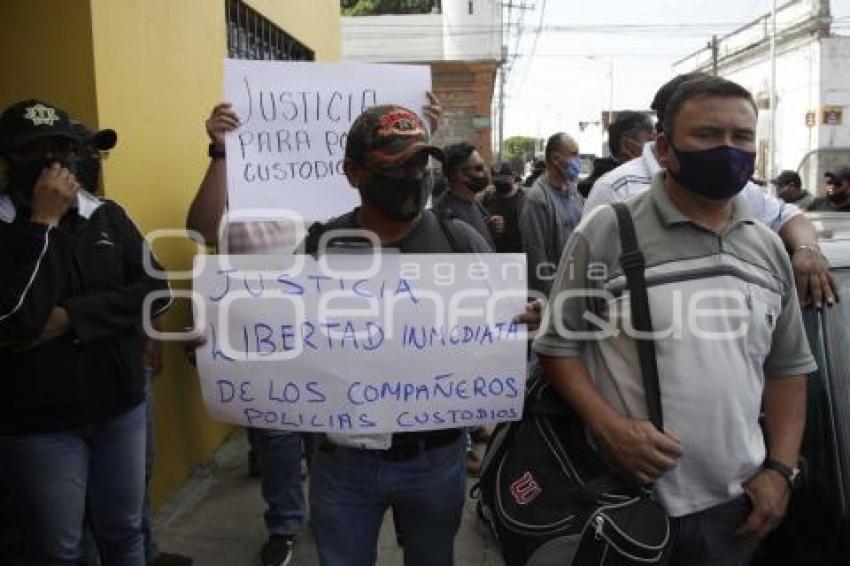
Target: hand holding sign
288	151
221	121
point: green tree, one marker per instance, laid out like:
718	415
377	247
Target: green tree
517	149
377	7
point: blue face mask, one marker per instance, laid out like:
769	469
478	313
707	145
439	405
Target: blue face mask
571	170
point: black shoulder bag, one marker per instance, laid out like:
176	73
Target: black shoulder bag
549	497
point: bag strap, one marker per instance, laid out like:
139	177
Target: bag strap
443	220
633	263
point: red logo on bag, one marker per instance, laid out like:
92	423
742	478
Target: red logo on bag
525	489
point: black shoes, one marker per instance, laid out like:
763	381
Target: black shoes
277	551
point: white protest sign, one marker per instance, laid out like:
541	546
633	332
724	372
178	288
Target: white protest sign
364	343
287	154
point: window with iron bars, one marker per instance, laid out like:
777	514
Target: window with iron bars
252	36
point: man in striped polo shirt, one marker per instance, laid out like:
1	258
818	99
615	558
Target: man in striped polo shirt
815	285
729	336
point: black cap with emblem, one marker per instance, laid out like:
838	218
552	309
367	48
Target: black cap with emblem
30	120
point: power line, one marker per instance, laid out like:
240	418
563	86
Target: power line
382	33
578	25
533	46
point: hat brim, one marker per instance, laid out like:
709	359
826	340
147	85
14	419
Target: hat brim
18	141
384	161
104	140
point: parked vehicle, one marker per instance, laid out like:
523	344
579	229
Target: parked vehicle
817	529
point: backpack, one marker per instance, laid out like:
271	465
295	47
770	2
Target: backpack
548	495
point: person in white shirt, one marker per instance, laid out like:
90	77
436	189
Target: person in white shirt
815	284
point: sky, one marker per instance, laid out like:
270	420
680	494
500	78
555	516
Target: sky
568	79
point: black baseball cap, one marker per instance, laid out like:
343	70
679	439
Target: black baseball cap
788	177
502	169
386	137
30	120
839	175
102	140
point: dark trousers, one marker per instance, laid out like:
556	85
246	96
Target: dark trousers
707	538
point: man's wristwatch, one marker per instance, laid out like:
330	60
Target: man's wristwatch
214	152
791	475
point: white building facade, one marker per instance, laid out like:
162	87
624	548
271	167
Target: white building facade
462	42
455	30
812	114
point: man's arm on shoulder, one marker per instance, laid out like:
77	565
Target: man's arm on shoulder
602	193
815	284
771	211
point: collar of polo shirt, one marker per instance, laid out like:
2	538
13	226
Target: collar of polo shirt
671	215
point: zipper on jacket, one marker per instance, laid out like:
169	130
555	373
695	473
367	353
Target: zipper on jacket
600	524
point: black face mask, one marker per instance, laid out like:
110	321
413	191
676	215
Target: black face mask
477	184
397	199
838	196
718	173
503	186
88	174
23	176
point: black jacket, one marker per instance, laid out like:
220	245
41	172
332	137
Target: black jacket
94	268
601	166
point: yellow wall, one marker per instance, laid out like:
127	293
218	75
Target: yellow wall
46	53
152	70
158	69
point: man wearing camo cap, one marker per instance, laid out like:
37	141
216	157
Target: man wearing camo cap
421	475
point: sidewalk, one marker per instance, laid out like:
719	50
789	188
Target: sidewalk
217	519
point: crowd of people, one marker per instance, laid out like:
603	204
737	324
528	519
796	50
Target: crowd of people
75	424
789	187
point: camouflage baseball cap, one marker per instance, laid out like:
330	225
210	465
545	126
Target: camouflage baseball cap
383	138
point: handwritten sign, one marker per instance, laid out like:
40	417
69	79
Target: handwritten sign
288	152
359	344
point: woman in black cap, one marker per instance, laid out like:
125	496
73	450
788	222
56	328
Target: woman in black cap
72	290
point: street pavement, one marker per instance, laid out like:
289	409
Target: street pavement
217	519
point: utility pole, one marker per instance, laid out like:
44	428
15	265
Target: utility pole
502	72
771	148
715	51
503	68
610	91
